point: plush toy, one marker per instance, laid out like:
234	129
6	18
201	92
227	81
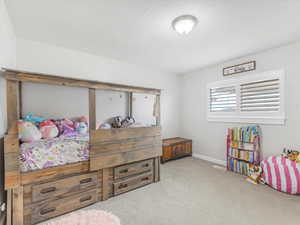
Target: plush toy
81	127
48	129
116	122
254	174
83	119
291	154
127	122
34	119
66	127
28	132
105	126
284	153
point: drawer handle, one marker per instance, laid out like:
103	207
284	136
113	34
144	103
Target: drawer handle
48	210
48	190
145	178
121	186
124	171
145	165
87	180
87	198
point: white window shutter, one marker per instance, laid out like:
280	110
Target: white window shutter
223	99
260	96
256	98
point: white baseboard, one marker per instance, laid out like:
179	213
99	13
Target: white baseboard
210	159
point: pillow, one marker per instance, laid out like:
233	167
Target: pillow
48	129
28	132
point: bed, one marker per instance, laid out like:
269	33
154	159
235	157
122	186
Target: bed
51	177
47	153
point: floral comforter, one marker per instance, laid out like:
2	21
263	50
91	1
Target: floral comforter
48	153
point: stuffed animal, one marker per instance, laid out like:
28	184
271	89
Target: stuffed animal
48	129
127	122
66	127
83	119
254	174
116	122
105	126
34	119
291	154
284	153
81	127
28	132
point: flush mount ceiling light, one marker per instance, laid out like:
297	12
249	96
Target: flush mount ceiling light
184	24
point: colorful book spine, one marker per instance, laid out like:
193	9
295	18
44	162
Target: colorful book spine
242	148
239	166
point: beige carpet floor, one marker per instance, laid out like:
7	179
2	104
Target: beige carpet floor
192	192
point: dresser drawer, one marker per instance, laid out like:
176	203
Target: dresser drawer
133	168
132	183
63	186
47	210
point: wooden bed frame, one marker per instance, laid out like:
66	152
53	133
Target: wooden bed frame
120	159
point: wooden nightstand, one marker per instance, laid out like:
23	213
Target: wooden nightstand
174	148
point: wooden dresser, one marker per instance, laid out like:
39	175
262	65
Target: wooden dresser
174	148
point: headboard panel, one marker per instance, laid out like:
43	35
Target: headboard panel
114	147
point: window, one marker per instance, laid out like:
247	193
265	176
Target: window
223	99
250	99
261	96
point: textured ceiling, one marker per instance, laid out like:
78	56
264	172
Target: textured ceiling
139	31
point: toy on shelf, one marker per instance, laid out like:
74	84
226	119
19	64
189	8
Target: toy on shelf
243	149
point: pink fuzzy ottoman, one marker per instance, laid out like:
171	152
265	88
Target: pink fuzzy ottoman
88	217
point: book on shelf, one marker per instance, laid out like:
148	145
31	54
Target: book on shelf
243	148
239	166
242	155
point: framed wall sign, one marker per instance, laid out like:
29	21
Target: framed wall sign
240	68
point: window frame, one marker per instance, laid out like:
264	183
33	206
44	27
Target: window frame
238	116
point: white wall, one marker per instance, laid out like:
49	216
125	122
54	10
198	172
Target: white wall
209	137
7	58
41	57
